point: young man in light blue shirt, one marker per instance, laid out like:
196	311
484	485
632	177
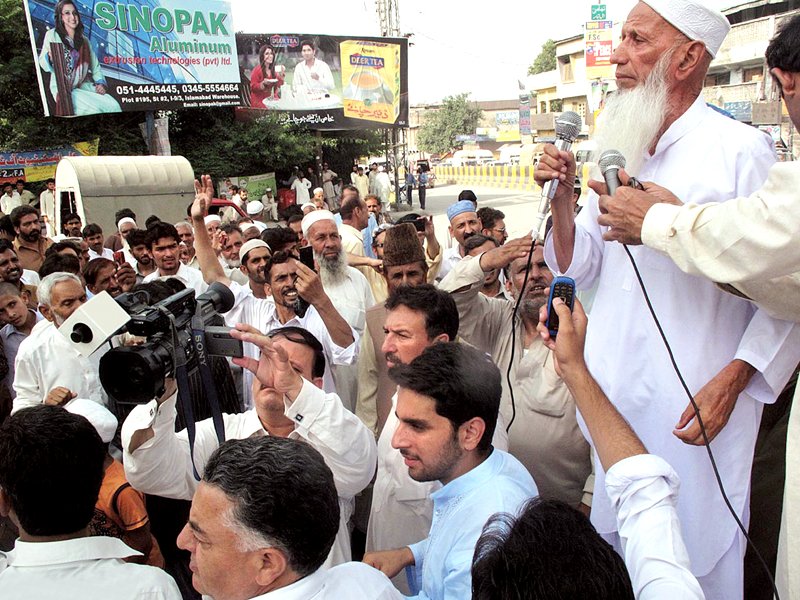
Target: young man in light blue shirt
447	405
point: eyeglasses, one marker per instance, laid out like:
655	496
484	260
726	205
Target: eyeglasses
378	245
499	229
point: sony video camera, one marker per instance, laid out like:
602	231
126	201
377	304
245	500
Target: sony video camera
180	330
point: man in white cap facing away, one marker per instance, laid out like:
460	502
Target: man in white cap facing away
255	210
270	205
733	357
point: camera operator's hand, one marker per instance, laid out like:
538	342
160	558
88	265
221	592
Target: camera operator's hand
170	387
126	277
59	396
309	285
272	369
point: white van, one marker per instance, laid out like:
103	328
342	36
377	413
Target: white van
468	158
96	187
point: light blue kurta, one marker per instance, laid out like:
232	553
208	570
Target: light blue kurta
443	561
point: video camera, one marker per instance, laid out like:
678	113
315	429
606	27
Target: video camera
180	330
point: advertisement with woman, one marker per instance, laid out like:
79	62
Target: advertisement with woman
325	82
101	56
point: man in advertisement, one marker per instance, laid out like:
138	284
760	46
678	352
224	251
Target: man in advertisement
312	73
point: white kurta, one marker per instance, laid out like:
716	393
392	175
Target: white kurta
190	277
706	329
303	78
351	298
88	568
350	581
162	465
46	360
262	314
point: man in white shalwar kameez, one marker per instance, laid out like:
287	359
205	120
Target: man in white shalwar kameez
733	357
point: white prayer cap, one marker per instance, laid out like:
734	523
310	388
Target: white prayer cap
318	191
245	226
251	245
268	190
314	217
98	415
255	207
125	220
695	20
212	219
306	205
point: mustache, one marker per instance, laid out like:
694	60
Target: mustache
393	358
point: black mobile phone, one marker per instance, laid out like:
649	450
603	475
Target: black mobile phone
220	343
307	257
420	223
564	288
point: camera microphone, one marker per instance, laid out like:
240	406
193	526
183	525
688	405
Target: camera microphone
568	126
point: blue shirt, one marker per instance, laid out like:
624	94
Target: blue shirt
443	561
12	338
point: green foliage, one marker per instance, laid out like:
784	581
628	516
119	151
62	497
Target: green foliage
546	61
457	116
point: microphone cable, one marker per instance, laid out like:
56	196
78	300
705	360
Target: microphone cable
514	333
706	441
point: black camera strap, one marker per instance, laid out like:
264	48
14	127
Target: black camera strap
199	340
184	391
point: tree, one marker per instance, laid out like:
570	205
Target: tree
457	116
546	61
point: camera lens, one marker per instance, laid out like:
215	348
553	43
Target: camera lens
134	375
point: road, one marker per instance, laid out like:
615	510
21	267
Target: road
519	207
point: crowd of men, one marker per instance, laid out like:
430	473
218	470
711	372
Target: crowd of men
402	422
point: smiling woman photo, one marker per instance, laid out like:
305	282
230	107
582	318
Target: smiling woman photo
82	75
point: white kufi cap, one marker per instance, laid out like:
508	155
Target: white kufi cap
695	20
315	216
212	219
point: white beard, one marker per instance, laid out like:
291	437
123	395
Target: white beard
332	270
632	119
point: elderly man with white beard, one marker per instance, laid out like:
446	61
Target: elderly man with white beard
347	288
733	357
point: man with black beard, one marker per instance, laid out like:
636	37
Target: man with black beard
544	433
348	289
733	357
29	245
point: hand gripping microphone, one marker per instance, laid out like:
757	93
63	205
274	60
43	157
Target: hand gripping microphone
568	126
611	161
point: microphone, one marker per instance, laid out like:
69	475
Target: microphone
611	161
568	126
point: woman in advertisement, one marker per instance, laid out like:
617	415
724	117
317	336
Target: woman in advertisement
79	72
267	78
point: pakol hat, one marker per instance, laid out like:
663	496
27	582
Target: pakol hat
401	246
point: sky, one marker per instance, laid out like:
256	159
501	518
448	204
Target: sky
478	47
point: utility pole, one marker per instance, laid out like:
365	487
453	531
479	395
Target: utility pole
389	21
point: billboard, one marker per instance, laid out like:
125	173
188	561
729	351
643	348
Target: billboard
507	125
38	165
326	82
599	39
99	56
